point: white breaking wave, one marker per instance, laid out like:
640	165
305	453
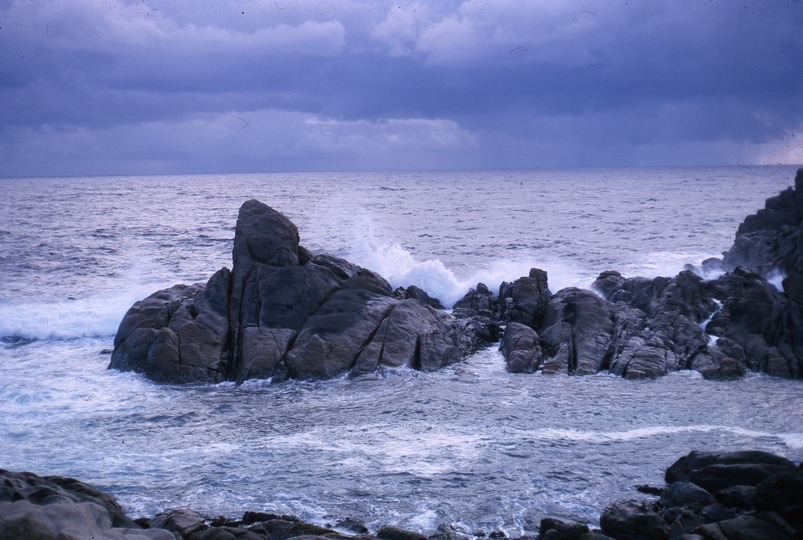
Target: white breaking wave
401	268
93	316
792	440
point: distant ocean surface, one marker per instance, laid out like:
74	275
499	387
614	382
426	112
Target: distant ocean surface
471	446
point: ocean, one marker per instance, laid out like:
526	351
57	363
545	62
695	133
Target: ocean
471	446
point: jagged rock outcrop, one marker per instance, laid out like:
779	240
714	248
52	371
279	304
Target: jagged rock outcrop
283	311
771	238
758	325
640	327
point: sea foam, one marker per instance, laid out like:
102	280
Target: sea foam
401	268
92	316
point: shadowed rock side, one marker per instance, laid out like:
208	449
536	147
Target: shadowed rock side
639	327
283	311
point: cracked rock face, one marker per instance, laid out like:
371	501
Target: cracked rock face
283	311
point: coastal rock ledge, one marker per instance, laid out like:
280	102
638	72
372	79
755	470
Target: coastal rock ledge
747	495
285	312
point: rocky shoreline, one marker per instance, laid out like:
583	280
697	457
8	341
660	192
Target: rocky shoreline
748	495
285	312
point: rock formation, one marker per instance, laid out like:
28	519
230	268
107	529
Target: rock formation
639	327
283	311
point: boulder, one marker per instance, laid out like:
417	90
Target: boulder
560	529
55	507
528	296
183	521
177	334
332	339
685	523
479	301
521	348
715	472
743	528
633	520
394	533
686	494
285	311
575	332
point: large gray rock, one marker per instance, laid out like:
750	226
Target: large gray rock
178	334
718	471
685	494
528	298
576	332
59	508
743	528
561	529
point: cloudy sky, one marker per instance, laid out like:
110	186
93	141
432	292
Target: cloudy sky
194	86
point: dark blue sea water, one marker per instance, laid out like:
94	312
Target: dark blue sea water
471	446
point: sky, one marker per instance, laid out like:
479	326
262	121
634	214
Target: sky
114	87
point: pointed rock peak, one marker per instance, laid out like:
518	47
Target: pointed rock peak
541	279
265	236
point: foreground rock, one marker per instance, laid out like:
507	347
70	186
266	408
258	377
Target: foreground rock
749	495
54	507
283	311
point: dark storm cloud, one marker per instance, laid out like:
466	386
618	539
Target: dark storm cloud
171	86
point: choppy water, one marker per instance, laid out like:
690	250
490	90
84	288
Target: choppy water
471	445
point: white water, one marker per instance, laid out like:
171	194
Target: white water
471	445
